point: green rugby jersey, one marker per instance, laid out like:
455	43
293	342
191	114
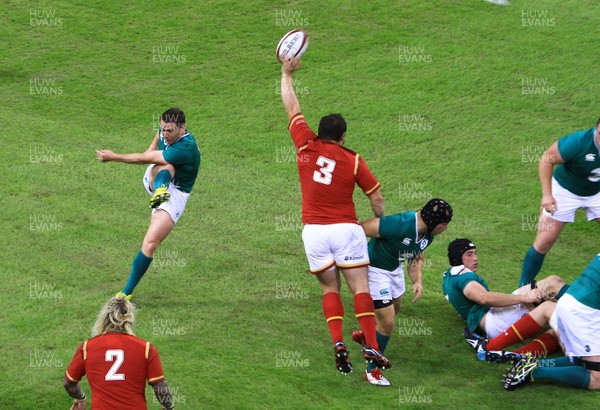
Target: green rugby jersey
586	288
580	174
397	241
184	155
453	284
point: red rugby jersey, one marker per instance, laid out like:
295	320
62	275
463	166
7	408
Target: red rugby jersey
328	173
117	366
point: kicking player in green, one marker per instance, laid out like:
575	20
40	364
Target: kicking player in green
398	238
174	160
574	184
577	317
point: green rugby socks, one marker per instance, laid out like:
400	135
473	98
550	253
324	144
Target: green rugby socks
531	266
562	370
162	179
139	266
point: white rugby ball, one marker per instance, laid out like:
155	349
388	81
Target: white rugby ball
293	43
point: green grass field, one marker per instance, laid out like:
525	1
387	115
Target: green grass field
454	99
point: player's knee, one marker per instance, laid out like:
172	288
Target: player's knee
594	380
543	245
550	287
547	308
387	326
149	246
170	168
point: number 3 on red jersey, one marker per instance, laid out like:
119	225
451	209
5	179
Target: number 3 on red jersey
323	176
118	356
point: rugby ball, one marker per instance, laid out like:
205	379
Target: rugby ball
293	43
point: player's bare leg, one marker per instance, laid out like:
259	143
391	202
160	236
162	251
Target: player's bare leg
594	374
385	320
548	231
541	314
161	225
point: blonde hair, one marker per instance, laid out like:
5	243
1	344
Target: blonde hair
118	314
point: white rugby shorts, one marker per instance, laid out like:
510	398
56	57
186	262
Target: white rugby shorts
386	285
343	245
578	327
175	205
567	203
498	319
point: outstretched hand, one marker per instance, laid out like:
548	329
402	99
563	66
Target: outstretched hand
104	155
289	65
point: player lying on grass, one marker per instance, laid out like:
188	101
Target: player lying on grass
174	160
502	319
398	238
333	239
117	364
577	317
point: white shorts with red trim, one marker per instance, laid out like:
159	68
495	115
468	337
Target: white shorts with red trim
343	245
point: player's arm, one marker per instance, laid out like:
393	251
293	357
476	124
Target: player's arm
371	227
148	157
163	394
290	101
478	294
415	271
154	144
75	391
550	159
377	203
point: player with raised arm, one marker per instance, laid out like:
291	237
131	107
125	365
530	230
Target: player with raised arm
174	160
569	173
333	239
577	316
117	364
395	239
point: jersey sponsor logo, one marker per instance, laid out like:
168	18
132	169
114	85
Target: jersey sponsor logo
424	244
590	157
353	258
406	241
384	292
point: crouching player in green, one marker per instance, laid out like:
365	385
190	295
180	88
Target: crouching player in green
398	238
174	160
577	317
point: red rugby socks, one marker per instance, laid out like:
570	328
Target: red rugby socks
334	314
365	314
522	329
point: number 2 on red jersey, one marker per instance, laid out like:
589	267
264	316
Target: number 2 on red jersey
324	175
118	356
